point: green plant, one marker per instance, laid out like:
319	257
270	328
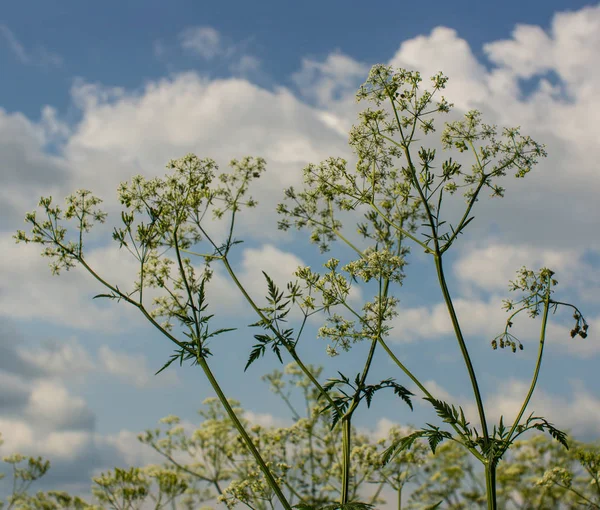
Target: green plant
393	210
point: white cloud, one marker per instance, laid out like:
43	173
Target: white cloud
65	444
66	299
487	319
568	48
279	265
321	81
527	54
51	404
267	420
18	435
229	118
205	41
245	65
53	127
436	390
382	430
133	369
131	450
444	50
491	268
65	359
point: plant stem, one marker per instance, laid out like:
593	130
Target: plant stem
346	436
244	434
538	364
462	345
490	483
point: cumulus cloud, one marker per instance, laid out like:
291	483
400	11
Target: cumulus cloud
133	369
247	64
566	49
321	82
492	267
382	431
62	359
267	420
51	404
204	41
208	43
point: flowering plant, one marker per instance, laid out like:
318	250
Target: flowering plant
395	199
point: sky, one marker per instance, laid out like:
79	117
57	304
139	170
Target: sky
94	93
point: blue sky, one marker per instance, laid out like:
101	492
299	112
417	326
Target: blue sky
93	94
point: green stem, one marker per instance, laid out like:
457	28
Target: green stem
346	436
537	366
232	416
577	493
490	483
290	349
220	394
346	420
462	345
400	498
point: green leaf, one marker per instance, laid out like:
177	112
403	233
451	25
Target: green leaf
403	393
277	351
174	357
257	352
434	440
560	436
399	445
449	413
466	223
219	331
109	296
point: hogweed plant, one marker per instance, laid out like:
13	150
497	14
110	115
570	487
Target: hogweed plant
396	200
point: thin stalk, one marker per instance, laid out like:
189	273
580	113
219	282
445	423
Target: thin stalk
538	364
139	305
402	231
490	484
346	435
400	498
462	345
346	420
232	416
